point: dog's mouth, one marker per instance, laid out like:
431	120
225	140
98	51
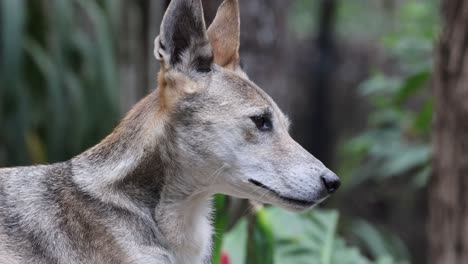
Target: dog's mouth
289	200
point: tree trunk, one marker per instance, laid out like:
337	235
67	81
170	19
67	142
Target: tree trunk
448	198
321	141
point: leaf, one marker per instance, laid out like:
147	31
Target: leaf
104	51
299	239
48	69
235	242
332	220
260	244
406	159
382	246
12	33
421	178
56	79
36	148
12	112
385	117
379	84
347	255
422	123
76	99
220	224
412	84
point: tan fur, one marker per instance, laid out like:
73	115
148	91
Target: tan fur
143	195
224	35
172	87
165	100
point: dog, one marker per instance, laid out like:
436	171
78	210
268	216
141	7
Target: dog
143	195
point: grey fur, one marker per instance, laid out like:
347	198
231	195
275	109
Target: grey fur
143	195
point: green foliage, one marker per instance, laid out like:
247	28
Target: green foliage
59	95
412	40
396	142
354	18
221	221
260	245
380	245
304	238
59	79
303	17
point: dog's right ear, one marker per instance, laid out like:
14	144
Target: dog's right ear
224	34
183	42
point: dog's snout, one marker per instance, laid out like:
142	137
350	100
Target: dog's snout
331	182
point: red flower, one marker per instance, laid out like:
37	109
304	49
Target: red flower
225	258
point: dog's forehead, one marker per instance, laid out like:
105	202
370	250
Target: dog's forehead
237	88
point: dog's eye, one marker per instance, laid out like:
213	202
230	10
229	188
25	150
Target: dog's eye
263	122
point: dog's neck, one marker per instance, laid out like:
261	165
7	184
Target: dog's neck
137	168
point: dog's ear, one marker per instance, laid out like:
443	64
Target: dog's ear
183	42
224	34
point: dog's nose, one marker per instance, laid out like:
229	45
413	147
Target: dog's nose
331	182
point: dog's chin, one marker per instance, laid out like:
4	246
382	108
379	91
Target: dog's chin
295	209
292	206
286	201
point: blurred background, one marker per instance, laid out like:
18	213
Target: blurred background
354	76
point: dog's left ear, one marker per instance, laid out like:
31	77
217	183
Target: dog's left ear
183	43
224	34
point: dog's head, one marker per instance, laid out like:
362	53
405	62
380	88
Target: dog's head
231	134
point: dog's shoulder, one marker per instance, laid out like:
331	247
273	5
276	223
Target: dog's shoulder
15	173
17	182
43	214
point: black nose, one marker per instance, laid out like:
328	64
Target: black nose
331	182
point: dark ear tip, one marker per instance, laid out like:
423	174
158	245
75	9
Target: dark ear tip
183	32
